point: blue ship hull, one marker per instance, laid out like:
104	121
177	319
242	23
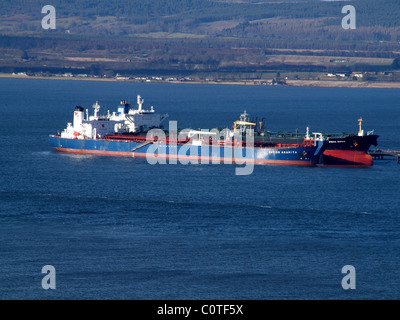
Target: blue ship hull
306	155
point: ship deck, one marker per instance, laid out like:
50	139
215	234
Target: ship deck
210	142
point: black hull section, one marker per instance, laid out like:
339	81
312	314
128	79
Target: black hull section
336	142
352	142
341	150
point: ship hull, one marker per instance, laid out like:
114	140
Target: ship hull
347	157
349	150
341	150
293	155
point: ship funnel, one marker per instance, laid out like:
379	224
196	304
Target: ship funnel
78	117
123	107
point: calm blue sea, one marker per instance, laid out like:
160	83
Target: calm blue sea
120	228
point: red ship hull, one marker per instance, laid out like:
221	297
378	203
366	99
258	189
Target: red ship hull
347	157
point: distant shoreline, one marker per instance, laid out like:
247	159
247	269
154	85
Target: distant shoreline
289	83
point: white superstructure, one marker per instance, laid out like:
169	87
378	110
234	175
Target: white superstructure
125	120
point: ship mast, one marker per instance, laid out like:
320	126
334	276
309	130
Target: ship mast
140	103
242	123
360	130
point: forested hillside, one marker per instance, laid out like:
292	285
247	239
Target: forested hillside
193	35
191	14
